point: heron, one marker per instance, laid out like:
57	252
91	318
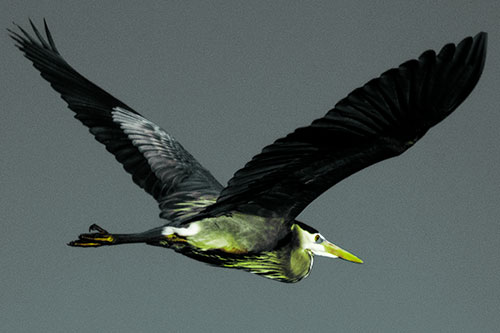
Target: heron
250	224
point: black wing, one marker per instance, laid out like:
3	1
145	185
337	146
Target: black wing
377	121
156	161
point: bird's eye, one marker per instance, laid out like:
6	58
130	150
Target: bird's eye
318	239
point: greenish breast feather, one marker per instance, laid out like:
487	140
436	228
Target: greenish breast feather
285	264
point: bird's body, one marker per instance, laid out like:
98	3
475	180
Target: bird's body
272	252
251	223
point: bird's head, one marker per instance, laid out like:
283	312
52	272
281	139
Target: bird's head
311	240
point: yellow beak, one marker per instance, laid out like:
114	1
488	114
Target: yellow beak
341	253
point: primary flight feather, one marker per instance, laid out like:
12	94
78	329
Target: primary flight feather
250	224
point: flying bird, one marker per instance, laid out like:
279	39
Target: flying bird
250	224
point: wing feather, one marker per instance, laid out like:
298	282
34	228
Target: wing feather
156	161
380	120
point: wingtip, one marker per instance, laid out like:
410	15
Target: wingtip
16	25
481	34
482	39
23	37
477	54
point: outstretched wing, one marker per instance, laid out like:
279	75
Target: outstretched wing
377	121
156	161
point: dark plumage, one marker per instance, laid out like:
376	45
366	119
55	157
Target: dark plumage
250	224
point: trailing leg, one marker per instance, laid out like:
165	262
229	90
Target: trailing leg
102	237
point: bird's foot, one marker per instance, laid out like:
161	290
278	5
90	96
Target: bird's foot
94	239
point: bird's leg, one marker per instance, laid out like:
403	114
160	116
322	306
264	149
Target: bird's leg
99	236
94	239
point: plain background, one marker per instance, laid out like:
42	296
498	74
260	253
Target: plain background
227	78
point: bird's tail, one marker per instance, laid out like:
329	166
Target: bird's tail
100	237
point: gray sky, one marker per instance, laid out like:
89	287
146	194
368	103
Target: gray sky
227	78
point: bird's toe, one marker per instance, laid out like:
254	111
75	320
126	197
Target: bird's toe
94	239
95	227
